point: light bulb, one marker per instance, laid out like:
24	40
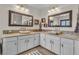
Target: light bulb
26	10
17	6
22	8
49	11
57	9
52	9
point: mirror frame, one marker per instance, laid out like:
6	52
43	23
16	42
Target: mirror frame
70	17
9	22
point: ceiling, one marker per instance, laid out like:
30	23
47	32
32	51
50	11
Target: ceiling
44	6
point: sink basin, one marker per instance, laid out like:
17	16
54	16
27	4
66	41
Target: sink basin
56	33
53	34
69	35
24	32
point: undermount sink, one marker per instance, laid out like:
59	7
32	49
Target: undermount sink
24	32
69	35
55	33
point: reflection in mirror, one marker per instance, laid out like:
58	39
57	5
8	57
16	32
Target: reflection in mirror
60	20
19	19
16	19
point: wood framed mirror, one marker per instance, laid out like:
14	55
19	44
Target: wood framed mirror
63	19
19	19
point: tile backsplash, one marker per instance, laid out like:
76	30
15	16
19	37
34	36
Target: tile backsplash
10	31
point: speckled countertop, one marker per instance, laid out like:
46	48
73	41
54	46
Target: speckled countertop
16	34
70	36
74	36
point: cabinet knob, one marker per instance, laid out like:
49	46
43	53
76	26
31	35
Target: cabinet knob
44	39
28	41
50	41
35	39
25	41
62	45
15	43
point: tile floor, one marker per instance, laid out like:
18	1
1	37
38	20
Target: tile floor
41	50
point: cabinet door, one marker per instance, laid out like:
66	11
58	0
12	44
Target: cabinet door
66	46
42	40
76	47
30	42
36	40
48	42
56	45
53	43
22	45
25	43
10	46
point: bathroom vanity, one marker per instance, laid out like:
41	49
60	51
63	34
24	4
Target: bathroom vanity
17	43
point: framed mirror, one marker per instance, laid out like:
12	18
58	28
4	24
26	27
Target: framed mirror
19	19
63	19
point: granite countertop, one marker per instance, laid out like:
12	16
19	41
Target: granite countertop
74	36
16	34
21	34
69	36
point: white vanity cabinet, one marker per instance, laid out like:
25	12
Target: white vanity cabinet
66	46
53	43
59	45
25	43
30	41
43	40
22	43
49	42
36	40
10	46
56	43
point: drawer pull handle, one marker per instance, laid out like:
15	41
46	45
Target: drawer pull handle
35	39
62	45
15	43
28	40
44	39
50	41
25	41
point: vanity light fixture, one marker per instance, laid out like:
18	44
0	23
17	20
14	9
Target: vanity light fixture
21	7
26	10
54	9
17	6
49	11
